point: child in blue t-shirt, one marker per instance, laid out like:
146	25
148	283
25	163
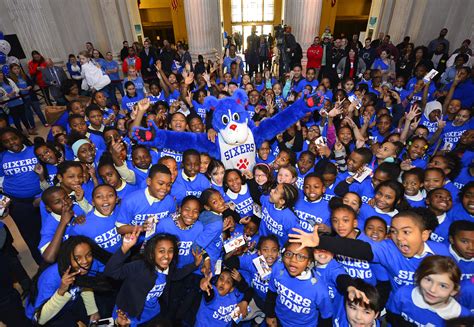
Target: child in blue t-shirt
146	207
212	239
111	176
413	183
215	173
296	295
185	226
311	209
439	201
461	236
328	269
431	300
356	312
189	180
388	197
304	166
56	225
131	97
465	209
238	193
268	247
344	223
55	299
220	301
400	256
277	217
415	153
100	223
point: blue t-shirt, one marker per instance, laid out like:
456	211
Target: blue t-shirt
186	238
365	189
367	211
440	234
109	65
18	170
278	222
259	285
400	269
155	98
101	229
362	269
329	273
217	312
129	102
408	302
49	225
312	213
184	186
139	85
211	237
242	200
301	300
136	208
452	134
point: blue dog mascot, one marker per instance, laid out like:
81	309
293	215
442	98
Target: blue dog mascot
237	136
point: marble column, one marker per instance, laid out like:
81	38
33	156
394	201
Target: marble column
203	27
35	25
113	26
303	16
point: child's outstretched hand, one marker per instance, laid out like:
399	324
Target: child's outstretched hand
197	256
243	307
205	284
353	293
143	104
130	239
307	240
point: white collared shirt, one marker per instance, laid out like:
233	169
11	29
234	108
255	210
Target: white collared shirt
186	177
426	250
233	195
150	198
457	257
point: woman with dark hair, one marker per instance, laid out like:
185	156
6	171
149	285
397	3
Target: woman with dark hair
405	62
54	297
385	64
35	69
351	65
145	288
421	57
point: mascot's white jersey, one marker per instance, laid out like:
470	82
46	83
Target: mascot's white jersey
239	156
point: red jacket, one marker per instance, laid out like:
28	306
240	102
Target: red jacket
36	74
136	59
315	56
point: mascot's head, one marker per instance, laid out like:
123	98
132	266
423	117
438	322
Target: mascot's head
230	119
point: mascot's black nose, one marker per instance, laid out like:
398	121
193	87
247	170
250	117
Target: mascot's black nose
233	127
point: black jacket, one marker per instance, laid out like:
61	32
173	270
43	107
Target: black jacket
138	280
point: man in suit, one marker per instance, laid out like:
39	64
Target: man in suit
55	77
184	56
148	58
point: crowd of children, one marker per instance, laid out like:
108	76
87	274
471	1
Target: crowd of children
359	214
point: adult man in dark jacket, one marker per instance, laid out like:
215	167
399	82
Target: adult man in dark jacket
167	56
124	51
148	58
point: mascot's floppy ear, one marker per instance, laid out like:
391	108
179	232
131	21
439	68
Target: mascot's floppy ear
211	102
240	96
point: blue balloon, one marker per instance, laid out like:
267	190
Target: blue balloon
3	58
6	70
1	35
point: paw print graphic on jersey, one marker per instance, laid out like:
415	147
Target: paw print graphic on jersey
243	164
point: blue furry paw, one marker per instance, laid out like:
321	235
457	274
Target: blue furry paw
143	135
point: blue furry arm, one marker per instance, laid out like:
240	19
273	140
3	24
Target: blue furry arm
269	128
178	141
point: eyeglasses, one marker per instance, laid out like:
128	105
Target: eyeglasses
299	257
